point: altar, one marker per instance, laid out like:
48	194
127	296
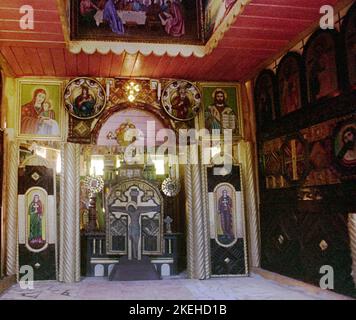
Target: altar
138	232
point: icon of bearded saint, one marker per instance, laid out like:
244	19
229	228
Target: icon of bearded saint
219	115
347	153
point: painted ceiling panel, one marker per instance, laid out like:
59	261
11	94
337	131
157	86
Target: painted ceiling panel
262	30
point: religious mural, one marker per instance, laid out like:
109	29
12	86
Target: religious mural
225	223
345	146
349	31
36	205
273	164
140	20
215	11
222	108
295	159
181	100
127	126
228	241
40	109
321	68
265	101
289	83
84	98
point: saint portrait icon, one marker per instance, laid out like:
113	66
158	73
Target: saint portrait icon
221	108
345	146
181	100
84	98
36	217
40	109
225	215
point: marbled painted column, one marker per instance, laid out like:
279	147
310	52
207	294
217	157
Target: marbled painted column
200	271
253	230
352	235
77	217
11	208
189	217
206	221
69	256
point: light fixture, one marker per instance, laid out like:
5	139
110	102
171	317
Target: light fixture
132	90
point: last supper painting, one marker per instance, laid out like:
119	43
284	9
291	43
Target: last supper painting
172	21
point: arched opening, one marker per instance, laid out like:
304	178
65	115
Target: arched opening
130	219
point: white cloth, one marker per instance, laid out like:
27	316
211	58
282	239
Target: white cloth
138	17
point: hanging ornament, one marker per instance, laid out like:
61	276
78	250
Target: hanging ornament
170	187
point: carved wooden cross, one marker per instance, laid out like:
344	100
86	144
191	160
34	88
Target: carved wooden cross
135	212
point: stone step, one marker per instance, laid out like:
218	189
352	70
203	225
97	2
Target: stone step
134	270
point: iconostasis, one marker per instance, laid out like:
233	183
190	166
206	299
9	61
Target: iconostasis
305	113
105	116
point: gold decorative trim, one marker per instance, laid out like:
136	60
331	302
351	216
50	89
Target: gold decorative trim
225	25
62	8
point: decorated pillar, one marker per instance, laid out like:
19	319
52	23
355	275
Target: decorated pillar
253	230
201	270
69	256
206	222
11	208
352	234
189	217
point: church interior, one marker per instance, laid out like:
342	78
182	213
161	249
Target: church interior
177	149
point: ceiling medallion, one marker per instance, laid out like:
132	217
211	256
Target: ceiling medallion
84	98
170	187
181	100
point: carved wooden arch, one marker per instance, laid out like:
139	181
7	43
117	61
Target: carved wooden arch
157	113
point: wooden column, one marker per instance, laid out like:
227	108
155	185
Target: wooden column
69	255
189	217
11	208
200	245
352	235
250	196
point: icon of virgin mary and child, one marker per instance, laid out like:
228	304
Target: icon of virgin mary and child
38	117
84	103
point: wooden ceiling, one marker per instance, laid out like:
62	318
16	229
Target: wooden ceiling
263	29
